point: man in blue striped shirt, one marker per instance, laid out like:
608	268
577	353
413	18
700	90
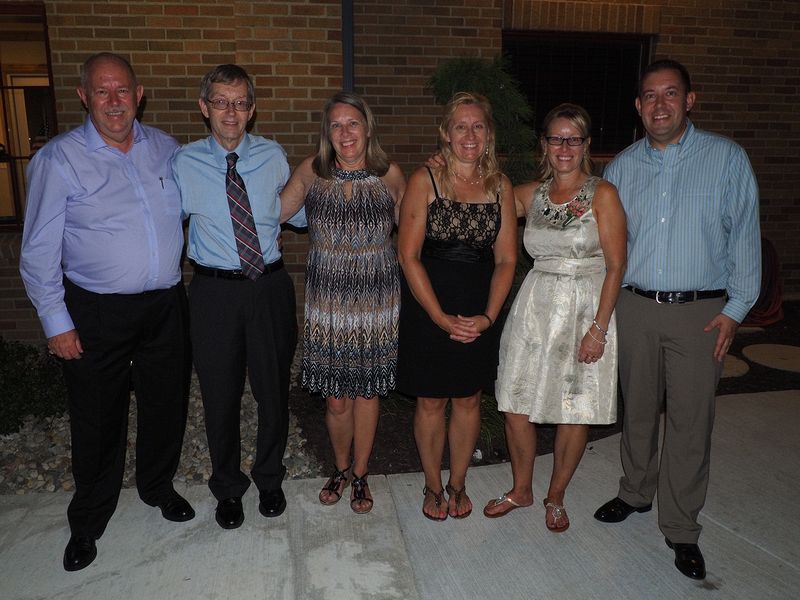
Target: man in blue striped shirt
694	270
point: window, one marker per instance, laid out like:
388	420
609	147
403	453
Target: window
27	109
598	71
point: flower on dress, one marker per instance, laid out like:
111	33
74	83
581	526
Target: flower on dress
574	209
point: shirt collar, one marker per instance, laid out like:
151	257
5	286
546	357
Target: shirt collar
94	141
219	153
685	141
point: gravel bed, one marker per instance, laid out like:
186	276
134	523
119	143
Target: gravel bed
37	457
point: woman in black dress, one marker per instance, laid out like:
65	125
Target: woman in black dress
457	247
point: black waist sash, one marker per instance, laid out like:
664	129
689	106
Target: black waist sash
456	251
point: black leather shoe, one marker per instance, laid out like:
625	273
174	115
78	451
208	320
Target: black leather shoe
689	559
176	508
79	553
617	510
273	503
230	514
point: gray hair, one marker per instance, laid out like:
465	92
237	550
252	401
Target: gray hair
229	75
89	63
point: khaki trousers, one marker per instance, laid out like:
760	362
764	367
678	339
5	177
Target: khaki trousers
663	349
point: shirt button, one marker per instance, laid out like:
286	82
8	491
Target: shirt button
663	220
663	194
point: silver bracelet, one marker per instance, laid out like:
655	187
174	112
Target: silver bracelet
604	342
600	329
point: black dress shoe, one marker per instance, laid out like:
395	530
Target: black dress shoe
79	553
617	510
176	508
689	559
230	514
272	503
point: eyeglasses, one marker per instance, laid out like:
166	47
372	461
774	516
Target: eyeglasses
557	140
223	104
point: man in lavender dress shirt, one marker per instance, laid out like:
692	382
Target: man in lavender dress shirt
100	261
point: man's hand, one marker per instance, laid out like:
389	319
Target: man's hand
727	330
65	345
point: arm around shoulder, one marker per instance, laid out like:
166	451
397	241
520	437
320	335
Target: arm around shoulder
395	180
293	194
523	197
612	226
413	217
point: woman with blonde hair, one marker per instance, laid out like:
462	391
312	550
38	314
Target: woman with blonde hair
457	250
558	352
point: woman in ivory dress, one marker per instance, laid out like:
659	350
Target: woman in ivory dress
558	351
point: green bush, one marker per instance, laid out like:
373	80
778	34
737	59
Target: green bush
31	383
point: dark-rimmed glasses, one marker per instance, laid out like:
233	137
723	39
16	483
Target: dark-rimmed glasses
223	104
557	140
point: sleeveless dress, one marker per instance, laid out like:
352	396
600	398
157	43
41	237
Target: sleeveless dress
457	255
352	288
539	373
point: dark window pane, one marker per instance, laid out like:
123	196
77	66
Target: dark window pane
597	71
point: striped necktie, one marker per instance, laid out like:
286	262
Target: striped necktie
244	227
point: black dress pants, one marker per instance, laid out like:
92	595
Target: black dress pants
238	328
125	335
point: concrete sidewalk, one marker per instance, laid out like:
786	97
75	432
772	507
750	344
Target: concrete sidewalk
750	538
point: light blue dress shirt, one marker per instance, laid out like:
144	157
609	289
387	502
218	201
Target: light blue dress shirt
200	169
692	213
108	220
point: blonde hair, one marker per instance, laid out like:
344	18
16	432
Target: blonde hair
580	120
488	161
325	160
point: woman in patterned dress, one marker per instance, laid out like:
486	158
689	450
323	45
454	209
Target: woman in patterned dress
558	360
352	194
457	249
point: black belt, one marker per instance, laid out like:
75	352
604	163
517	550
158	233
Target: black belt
676	297
236	274
456	251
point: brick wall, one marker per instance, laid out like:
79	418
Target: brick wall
743	55
398	46
291	49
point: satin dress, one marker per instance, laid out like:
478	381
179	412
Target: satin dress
539	374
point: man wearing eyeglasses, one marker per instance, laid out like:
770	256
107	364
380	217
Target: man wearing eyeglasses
241	299
694	271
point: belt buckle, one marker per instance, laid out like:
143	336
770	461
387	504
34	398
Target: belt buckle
657	300
682	299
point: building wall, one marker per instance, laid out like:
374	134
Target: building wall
744	57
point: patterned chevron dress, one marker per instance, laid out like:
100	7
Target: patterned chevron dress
352	288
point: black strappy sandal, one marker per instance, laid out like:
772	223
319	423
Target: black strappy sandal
360	489
438	498
336	485
451	491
